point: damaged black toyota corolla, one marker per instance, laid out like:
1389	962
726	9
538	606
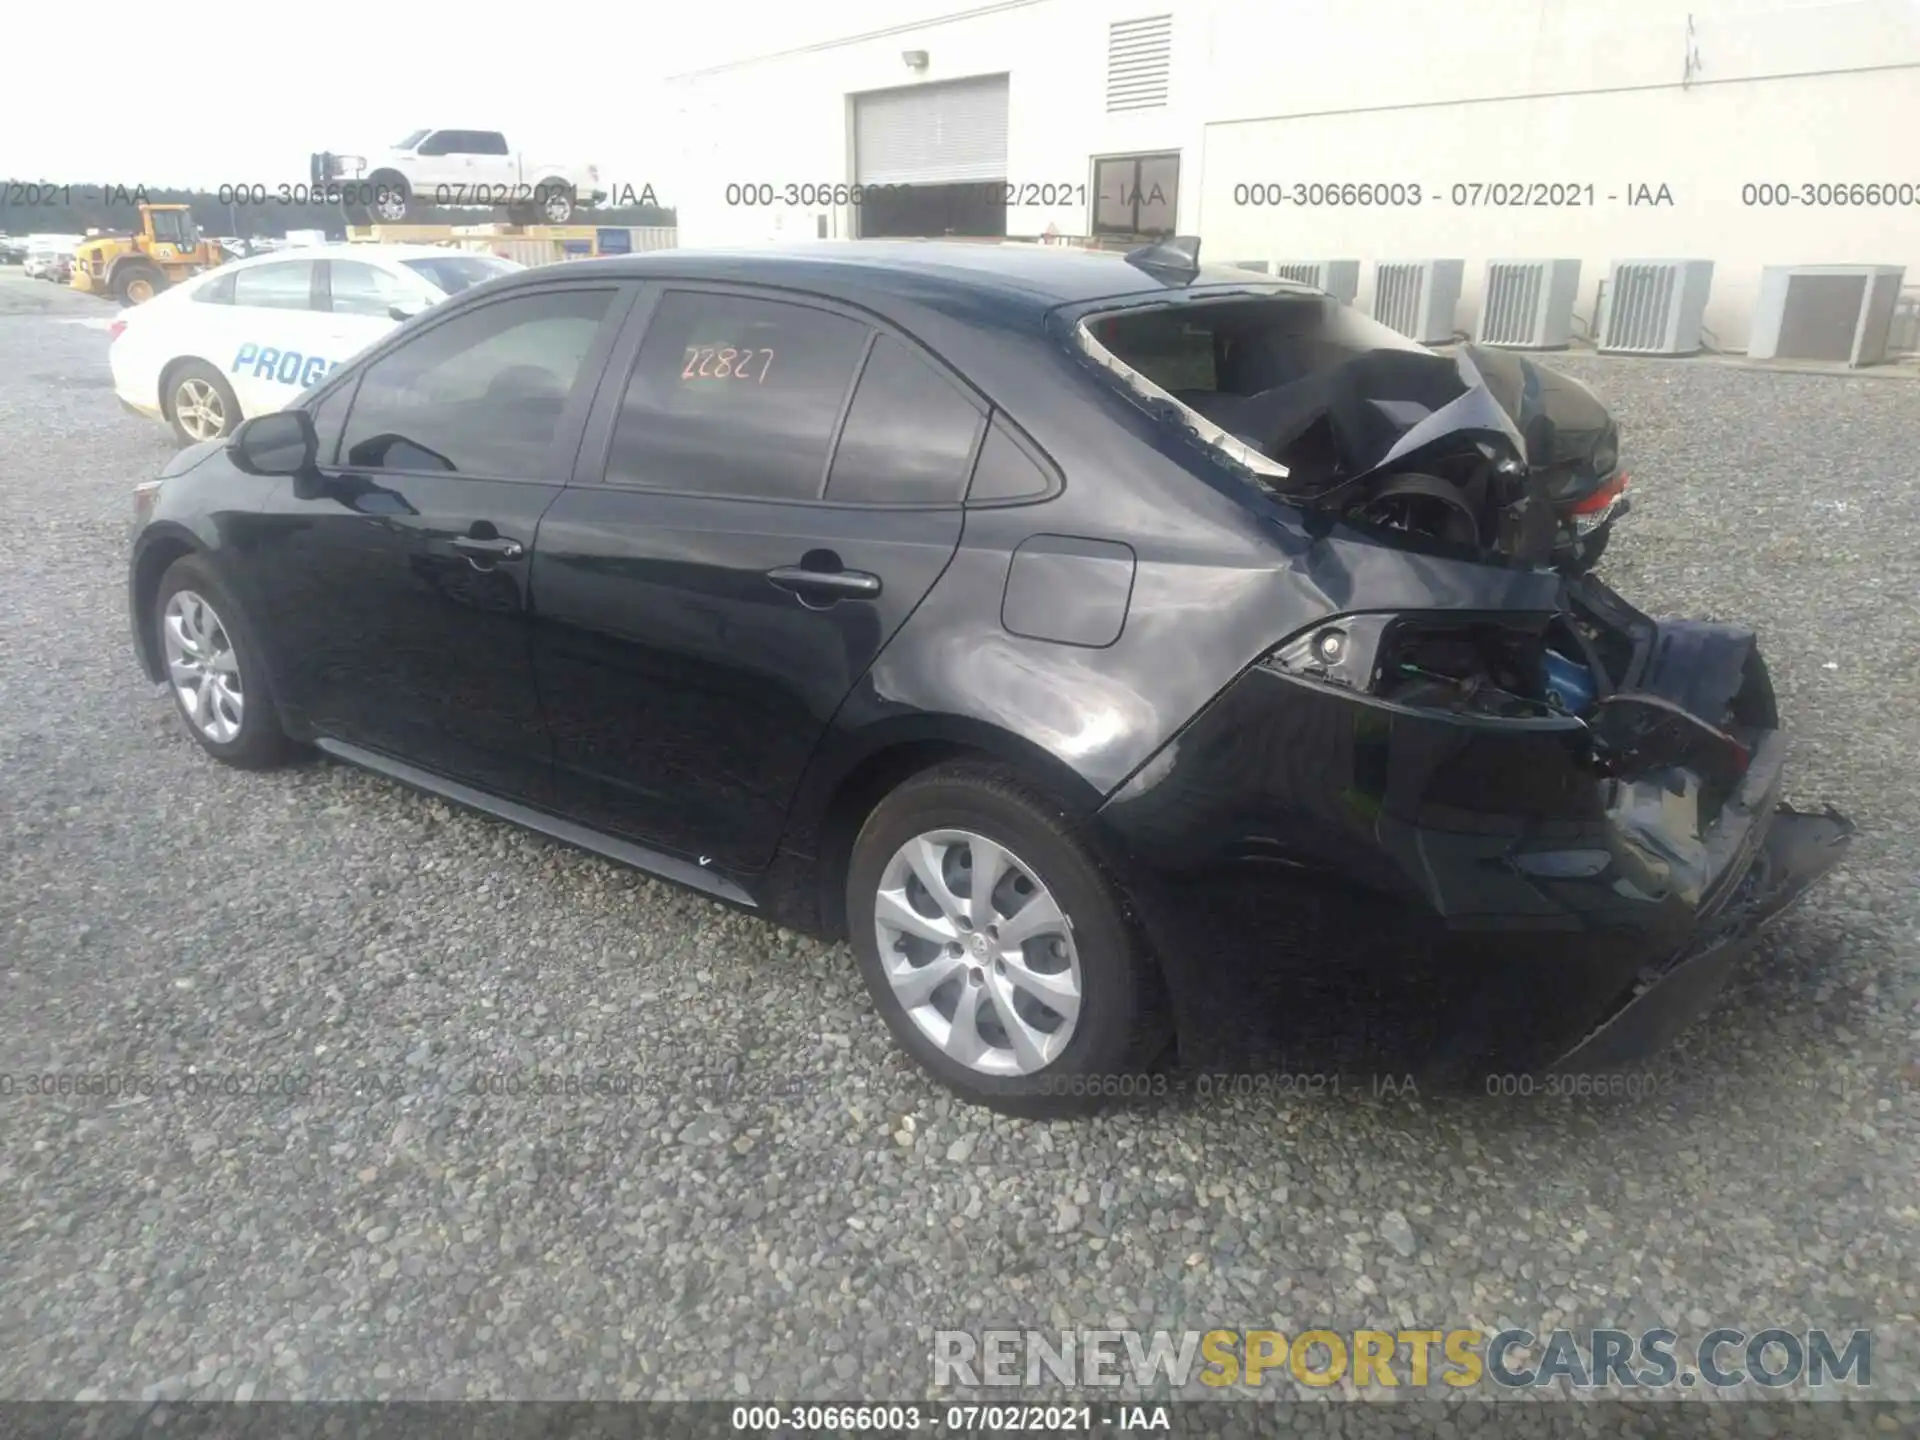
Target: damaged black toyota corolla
1118	652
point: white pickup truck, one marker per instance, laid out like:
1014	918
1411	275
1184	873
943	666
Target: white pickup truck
454	167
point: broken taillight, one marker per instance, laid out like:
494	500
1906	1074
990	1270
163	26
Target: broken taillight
1594	511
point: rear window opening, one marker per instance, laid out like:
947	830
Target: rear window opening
1324	405
1266	372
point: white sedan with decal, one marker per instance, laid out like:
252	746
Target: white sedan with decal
254	335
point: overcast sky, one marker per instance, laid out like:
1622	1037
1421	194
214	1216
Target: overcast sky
243	93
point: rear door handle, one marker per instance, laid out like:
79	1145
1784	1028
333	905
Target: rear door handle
824	584
489	547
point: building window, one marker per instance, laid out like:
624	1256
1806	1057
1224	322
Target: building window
1136	195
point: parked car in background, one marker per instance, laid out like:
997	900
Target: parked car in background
12	252
251	335
460	168
49	262
888	591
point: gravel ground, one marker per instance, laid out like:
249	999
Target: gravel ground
782	1207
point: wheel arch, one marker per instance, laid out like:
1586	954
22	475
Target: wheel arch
843	787
155	557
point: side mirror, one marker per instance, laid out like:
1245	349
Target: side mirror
403	312
282	443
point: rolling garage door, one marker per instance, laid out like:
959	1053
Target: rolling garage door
932	134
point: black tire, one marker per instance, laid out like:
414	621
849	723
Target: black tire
259	742
172	400
1120	1029
136	284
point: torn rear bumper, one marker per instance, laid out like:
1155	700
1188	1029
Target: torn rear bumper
1335	884
1796	851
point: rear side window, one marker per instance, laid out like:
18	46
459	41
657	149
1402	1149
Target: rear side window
285	285
909	436
482	393
734	395
1008	470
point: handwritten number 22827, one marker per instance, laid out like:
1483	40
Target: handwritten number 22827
717	362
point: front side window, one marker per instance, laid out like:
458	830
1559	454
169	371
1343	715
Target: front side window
451	273
734	395
480	394
284	285
440	142
909	435
362	289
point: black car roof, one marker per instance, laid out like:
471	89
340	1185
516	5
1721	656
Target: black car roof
1016	274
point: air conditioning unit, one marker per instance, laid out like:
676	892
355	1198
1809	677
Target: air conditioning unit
1654	307
1339	278
1839	313
1528	304
1418	297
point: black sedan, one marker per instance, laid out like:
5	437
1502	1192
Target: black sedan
1120	653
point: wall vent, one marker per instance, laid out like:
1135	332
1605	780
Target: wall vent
1528	304
1837	313
1654	307
1339	278
1418	297
1139	63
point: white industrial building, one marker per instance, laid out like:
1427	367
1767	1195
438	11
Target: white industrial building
1748	133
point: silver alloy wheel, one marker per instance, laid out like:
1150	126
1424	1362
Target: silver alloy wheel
203	668
200	410
558	207
978	952
391	204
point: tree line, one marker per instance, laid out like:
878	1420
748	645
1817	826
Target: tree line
36	207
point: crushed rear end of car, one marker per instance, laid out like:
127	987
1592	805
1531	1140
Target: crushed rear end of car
1473	811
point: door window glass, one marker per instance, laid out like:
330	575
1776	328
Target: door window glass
482	393
734	395
362	289
909	436
287	285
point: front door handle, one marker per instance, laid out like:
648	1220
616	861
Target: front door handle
825	584
488	547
